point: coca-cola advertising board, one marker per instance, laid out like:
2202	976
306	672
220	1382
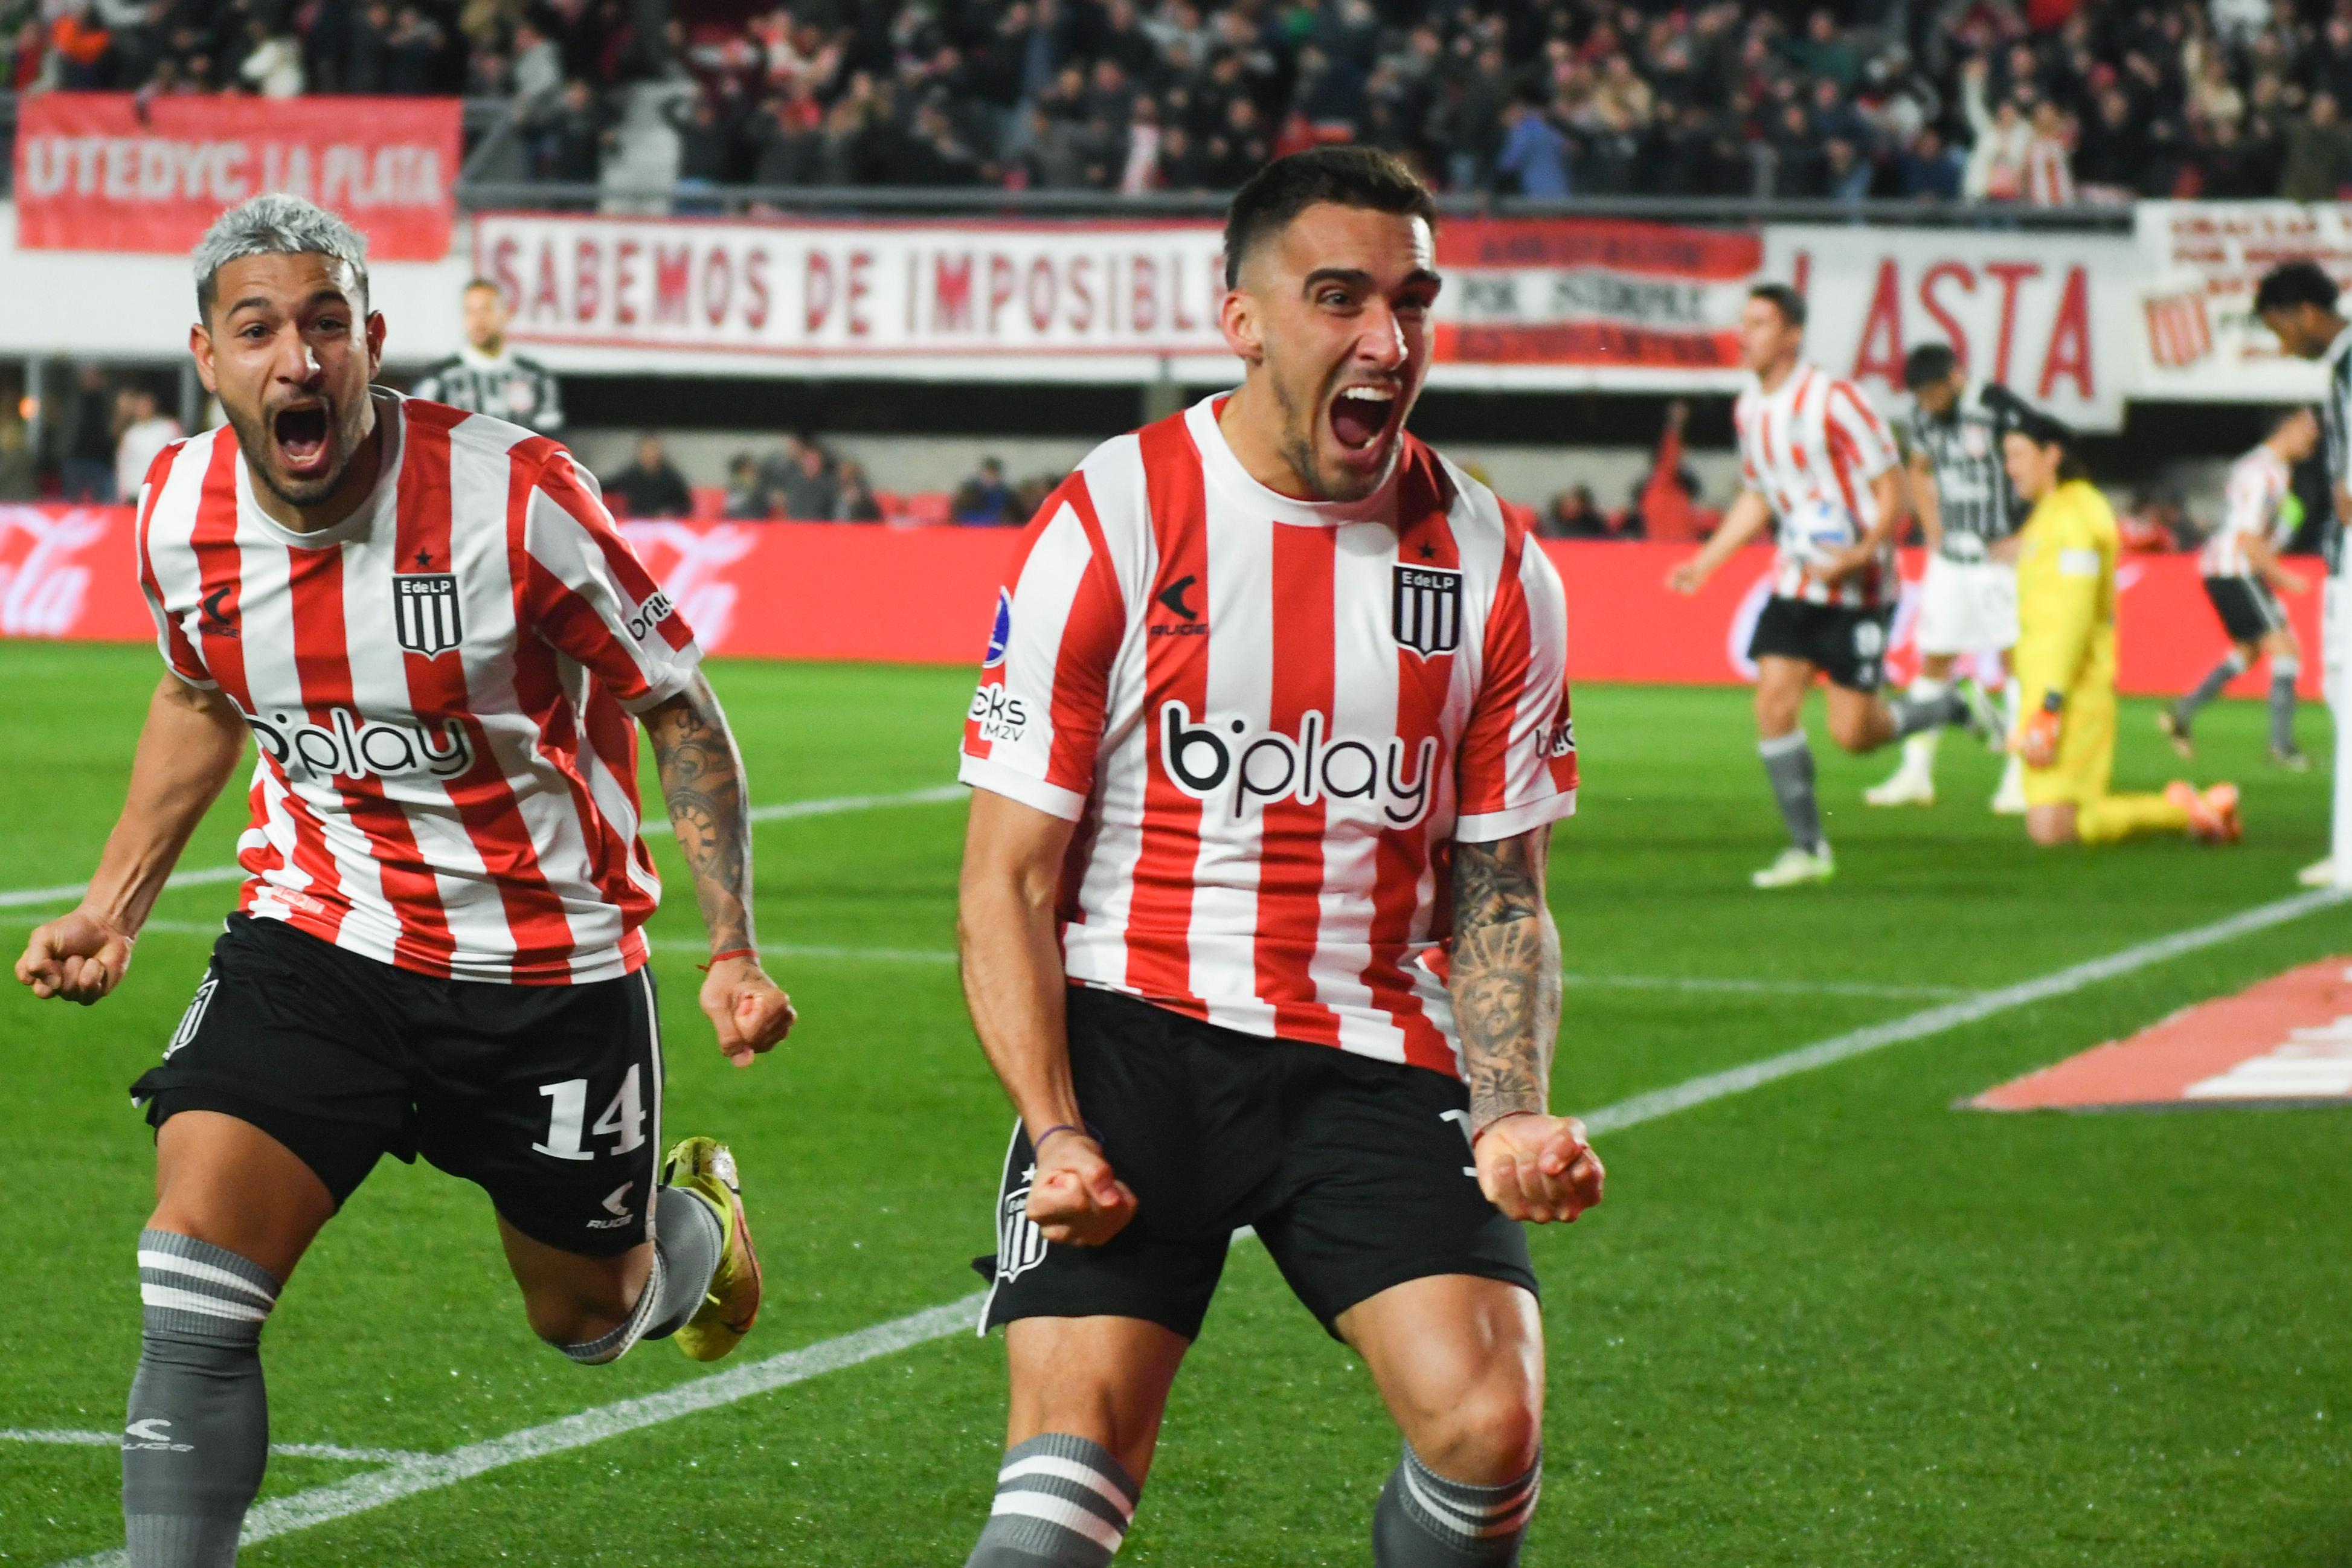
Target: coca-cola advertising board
926	596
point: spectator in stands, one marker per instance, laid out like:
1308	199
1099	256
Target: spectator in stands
86	465
2318	162
2003	139
20	476
748	499
272	66
1927	170
571	138
857	502
809	490
1533	154
142	430
1573	514
651	486
984	497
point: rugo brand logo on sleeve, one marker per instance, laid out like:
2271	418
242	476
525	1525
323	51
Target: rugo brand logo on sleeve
1222	758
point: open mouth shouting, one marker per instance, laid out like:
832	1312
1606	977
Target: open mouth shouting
302	433
1363	418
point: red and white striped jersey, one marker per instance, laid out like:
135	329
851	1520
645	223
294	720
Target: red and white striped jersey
1272	719
2259	482
1817	439
440	688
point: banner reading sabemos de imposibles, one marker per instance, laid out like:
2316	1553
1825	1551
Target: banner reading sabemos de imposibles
1578	302
106	171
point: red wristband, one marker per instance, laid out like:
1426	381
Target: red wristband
1488	1126
719	958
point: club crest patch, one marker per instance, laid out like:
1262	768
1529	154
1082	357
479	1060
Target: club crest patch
1427	616
424	612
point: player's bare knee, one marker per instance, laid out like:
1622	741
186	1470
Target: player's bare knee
2050	830
566	1316
1492	1432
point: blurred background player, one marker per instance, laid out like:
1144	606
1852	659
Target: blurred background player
1967	601
2243	576
2297	301
2066	659
439	949
1320	999
486	376
1813	456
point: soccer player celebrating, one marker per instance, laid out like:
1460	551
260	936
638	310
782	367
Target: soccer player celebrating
1814	456
2066	659
486	376
1967	601
2244	576
2297	301
435	638
1272	734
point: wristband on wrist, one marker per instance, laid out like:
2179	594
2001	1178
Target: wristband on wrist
1037	1143
719	958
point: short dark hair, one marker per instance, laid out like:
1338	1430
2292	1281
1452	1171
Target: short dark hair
1927	364
2292	283
1783	298
2046	430
1343	176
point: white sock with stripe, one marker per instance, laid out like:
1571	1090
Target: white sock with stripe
1061	1503
196	1440
1425	1521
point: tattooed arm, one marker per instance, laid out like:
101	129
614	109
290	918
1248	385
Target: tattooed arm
1506	982
702	782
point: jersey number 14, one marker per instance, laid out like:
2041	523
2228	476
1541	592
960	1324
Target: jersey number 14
624	1118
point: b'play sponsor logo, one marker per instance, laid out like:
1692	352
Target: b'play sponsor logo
347	746
649	615
1221	758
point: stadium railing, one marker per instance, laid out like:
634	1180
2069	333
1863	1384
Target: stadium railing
487	121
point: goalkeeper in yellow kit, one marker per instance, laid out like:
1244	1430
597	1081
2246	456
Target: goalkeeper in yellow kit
2066	659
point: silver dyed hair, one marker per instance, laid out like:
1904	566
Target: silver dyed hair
277	225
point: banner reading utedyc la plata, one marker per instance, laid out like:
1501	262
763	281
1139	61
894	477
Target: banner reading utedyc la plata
109	170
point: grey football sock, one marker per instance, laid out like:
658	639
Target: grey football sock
2220	676
1424	1520
196	1438
1788	764
689	1241
2283	672
1914	715
1062	1501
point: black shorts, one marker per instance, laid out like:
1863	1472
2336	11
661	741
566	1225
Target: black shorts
1355	1172
1845	643
548	1097
2249	610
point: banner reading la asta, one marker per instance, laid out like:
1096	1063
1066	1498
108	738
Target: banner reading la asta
104	170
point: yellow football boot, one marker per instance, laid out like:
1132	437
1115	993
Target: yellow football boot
705	1167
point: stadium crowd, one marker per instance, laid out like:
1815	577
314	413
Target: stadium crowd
2043	102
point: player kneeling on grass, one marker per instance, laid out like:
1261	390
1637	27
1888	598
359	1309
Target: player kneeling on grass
1274	719
2066	659
435	636
2243	576
1813	457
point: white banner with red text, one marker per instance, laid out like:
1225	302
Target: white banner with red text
2199	261
2050	316
1558	302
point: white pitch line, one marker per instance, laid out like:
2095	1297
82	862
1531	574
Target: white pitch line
431	1472
782	811
64	1438
1972	1009
360	1494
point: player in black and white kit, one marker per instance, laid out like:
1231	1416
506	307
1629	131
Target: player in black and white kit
2297	301
1820	466
486	376
1969	515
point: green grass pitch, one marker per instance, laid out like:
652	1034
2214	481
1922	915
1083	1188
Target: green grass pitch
1831	1321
